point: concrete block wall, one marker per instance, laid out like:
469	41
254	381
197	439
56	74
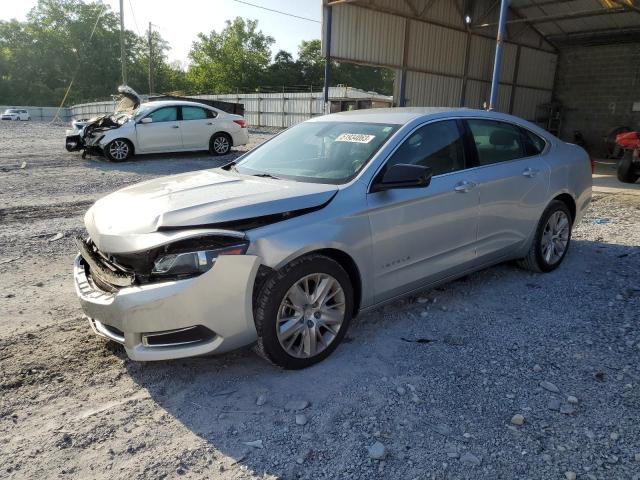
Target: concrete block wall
598	86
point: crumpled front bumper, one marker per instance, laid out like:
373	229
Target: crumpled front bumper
220	300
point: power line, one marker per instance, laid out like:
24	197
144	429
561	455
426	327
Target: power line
278	11
134	17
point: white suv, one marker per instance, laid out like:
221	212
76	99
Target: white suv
16	114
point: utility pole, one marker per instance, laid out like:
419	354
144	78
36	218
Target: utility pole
151	86
122	56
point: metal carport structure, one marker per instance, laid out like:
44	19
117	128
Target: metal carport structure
443	50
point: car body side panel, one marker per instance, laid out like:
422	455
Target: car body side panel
342	225
159	137
510	204
421	234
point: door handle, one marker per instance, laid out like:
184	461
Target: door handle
175	126
530	172
465	186
209	123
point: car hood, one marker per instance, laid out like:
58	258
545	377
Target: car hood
203	199
128	100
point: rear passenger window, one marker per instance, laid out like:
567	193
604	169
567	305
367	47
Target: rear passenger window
534	144
497	141
437	145
193	113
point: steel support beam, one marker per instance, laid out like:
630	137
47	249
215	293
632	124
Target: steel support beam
562	16
495	82
327	55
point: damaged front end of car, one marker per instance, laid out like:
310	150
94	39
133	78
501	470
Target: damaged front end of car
85	135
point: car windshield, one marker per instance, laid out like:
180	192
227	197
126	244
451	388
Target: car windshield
10	111
321	152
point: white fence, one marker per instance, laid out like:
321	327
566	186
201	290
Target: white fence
261	109
85	111
45	114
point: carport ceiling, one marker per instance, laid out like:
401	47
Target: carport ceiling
579	21
560	22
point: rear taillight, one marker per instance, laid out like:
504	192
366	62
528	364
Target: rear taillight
593	166
242	123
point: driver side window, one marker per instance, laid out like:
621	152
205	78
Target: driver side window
437	145
165	114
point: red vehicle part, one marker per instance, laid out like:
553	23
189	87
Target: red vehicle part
629	140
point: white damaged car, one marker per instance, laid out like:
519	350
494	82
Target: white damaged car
157	127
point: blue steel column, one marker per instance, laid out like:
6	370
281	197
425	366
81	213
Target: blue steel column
504	8
327	53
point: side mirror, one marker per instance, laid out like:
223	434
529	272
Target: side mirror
402	175
146	120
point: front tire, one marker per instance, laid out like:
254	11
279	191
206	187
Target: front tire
303	311
118	150
551	240
625	170
220	144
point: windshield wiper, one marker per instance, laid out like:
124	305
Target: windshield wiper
266	175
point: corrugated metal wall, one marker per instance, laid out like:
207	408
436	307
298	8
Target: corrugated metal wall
435	55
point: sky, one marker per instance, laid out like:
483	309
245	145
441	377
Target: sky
180	21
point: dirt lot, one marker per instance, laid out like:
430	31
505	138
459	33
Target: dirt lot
435	379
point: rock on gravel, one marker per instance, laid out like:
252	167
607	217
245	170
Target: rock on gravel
470	459
377	451
517	419
550	387
261	400
570	475
301	419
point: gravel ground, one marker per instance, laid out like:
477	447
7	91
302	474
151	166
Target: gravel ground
503	374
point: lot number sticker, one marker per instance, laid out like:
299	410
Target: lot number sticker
355	138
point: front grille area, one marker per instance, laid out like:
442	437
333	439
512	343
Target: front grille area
106	274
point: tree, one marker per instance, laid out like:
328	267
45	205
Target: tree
234	59
311	62
40	56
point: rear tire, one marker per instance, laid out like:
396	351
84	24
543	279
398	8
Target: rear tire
118	150
303	311
551	240
220	144
625	170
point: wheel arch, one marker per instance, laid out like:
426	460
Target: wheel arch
222	132
345	260
569	201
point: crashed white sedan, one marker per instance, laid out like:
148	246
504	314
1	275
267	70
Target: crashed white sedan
157	127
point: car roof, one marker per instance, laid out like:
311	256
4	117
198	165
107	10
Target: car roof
404	115
175	103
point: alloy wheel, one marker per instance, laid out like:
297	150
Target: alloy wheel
555	237
221	145
310	315
119	149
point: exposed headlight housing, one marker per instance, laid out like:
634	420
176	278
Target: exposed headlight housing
191	263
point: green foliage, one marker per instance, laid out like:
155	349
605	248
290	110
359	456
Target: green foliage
40	56
235	59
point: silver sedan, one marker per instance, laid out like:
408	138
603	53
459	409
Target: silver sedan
328	219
